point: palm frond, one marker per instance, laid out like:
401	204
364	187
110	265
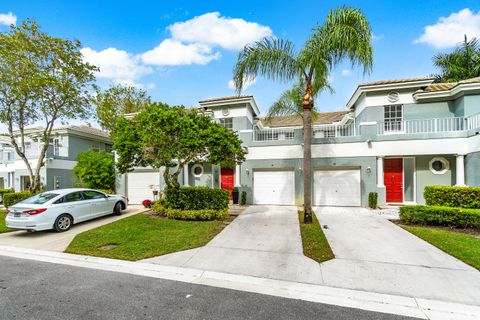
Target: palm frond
272	58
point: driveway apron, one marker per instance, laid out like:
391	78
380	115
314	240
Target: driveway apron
374	254
263	241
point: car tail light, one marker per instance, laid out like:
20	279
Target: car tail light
35	211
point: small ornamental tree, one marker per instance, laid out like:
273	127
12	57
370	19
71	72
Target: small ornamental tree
171	137
96	169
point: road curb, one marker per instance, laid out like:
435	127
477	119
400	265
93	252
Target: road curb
392	304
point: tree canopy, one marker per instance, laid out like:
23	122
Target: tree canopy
171	137
118	100
42	79
461	64
96	169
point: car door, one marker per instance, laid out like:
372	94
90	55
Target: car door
99	203
77	206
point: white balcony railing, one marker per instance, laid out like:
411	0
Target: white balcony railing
273	134
423	126
333	131
473	121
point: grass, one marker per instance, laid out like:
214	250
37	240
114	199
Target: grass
3	228
143	236
315	244
463	246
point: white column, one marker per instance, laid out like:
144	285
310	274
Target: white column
237	176
380	181
460	170
185	175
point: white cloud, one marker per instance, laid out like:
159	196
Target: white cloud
246	85
449	31
172	52
377	37
215	30
115	64
8	19
346	72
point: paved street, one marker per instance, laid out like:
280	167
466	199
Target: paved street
37	290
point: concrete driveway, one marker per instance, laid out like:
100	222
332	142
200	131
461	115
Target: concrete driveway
54	241
263	241
374	254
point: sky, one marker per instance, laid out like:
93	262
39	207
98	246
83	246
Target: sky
181	52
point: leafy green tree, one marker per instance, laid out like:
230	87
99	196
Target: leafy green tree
96	169
171	137
345	34
42	79
117	101
461	64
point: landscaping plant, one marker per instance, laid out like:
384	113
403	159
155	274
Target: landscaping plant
147	203
373	200
441	216
12	198
243	201
95	169
452	196
197	198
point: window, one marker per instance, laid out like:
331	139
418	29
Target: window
197	170
10	155
74	196
439	165
56	147
393	118
28	148
227	123
40	198
108	147
95	148
91	195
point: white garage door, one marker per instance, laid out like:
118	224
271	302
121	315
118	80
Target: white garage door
274	187
140	186
337	188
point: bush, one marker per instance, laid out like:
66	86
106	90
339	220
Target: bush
95	169
12	198
159	209
196	215
441	216
243	201
373	200
3	191
457	197
107	191
197	198
147	203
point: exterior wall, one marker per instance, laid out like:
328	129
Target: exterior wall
444	109
205	180
65	178
472	104
472	172
424	177
80	144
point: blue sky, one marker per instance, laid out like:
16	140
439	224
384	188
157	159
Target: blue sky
184	51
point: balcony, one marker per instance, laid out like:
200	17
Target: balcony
273	134
334	131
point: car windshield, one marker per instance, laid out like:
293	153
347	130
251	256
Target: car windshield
40	198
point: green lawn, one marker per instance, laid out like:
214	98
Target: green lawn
3	214
315	244
463	246
142	236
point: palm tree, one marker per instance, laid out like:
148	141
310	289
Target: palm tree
346	33
463	63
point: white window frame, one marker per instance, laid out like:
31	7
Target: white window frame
395	119
446	165
223	123
195	166
56	147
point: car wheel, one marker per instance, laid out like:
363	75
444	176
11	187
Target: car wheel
63	223
117	209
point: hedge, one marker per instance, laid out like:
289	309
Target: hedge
197	198
456	197
3	191
373	200
10	199
191	215
440	216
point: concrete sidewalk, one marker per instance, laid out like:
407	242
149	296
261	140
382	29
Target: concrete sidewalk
263	241
374	254
55	241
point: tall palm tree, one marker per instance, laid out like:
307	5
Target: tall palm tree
345	34
463	63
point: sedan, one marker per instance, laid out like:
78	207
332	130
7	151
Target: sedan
60	209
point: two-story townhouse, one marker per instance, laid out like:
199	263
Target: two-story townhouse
65	145
394	138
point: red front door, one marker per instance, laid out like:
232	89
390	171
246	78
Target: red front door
226	180
393	179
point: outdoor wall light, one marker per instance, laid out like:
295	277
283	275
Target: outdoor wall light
247	171
369	170
300	169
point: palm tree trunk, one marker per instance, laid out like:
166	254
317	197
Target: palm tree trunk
307	163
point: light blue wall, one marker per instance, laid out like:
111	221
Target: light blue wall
429	110
472	169
471	104
424	177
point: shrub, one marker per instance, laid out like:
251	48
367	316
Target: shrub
3	191
95	169
107	191
159	209
441	216
243	201
197	198
196	215
373	200
457	197
12	198
147	203
235	189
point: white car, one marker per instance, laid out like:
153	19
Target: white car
60	209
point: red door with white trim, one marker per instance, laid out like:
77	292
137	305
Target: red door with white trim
393	179
227	180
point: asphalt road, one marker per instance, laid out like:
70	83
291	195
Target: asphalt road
37	290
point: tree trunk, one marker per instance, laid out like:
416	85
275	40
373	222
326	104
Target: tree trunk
307	164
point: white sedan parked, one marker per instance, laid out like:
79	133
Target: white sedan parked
60	209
